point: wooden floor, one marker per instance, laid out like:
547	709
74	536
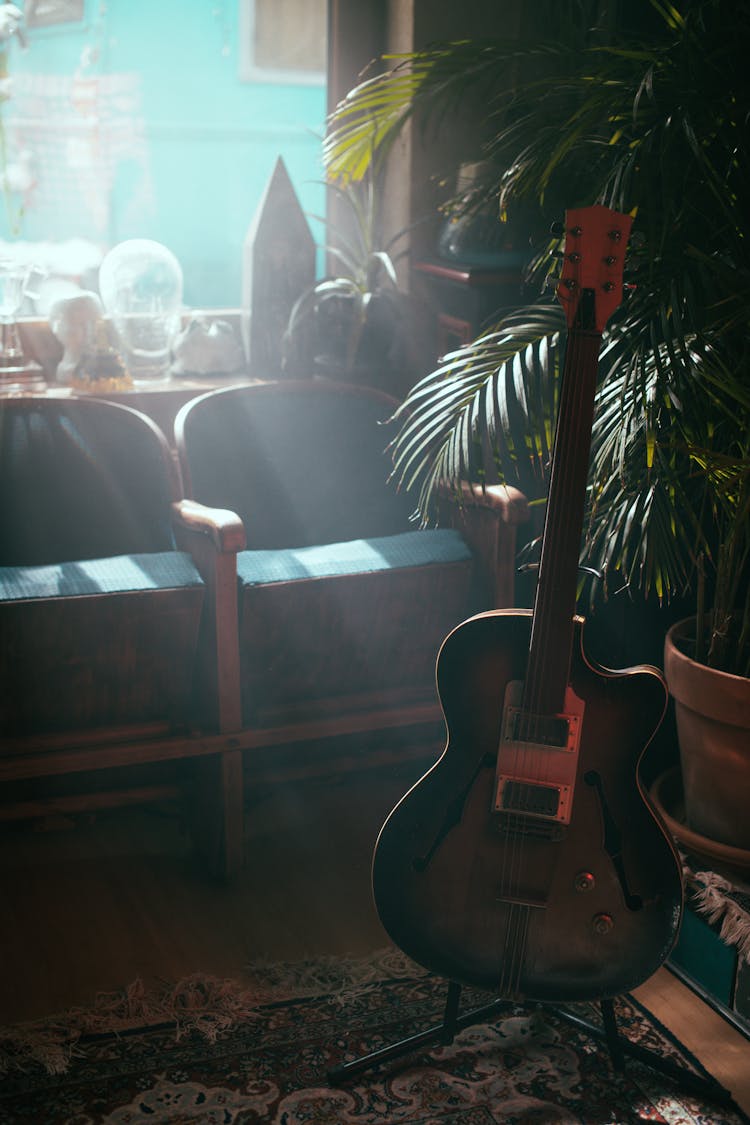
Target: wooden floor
90	905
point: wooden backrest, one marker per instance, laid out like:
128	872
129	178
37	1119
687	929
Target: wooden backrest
301	462
81	479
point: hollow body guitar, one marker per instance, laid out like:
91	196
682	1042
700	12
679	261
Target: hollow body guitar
528	861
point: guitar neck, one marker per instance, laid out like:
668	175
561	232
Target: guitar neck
555	602
590	289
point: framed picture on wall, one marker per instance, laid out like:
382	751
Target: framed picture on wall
43	13
283	41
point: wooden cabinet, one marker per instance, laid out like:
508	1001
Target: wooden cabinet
461	299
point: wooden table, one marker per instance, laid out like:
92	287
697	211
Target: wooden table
160	402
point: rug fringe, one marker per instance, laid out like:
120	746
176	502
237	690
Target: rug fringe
204	1004
720	903
23	1048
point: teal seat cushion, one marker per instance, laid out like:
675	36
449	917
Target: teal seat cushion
122	574
357	556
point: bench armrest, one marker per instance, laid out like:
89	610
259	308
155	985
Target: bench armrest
488	517
213	536
508	502
223	527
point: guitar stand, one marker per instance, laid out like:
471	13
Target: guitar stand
618	1046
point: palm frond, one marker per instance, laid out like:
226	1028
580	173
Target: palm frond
656	127
450	428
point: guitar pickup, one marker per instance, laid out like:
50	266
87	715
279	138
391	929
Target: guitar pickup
530	799
536	763
524	728
527	797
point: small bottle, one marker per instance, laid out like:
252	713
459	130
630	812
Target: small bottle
101	368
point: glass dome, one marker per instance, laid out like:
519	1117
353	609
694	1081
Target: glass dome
140	282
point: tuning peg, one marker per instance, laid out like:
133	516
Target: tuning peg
557	229
554	282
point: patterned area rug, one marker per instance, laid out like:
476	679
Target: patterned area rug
219	1053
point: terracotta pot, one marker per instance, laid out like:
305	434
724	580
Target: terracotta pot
713	728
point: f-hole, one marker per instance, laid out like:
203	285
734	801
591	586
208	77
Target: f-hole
613	840
453	814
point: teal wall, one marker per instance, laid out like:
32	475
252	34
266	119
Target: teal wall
211	141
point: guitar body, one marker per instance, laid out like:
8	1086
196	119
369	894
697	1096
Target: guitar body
528	907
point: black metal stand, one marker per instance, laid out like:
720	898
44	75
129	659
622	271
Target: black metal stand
618	1046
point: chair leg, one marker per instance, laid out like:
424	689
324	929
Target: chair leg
233	807
217	814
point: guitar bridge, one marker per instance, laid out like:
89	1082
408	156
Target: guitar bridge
537	761
510	826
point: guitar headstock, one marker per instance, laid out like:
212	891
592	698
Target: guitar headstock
590	287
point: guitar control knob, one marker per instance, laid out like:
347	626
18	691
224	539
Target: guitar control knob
603	923
584	881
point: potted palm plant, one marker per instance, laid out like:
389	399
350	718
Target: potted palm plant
651	122
352	323
708	671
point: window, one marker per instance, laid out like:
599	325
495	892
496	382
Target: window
39	13
111	136
283	41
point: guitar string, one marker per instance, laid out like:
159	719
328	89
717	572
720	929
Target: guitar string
583	360
574	398
512	861
576	394
509	965
517	963
573	391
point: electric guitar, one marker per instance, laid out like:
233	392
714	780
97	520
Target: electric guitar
528	861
